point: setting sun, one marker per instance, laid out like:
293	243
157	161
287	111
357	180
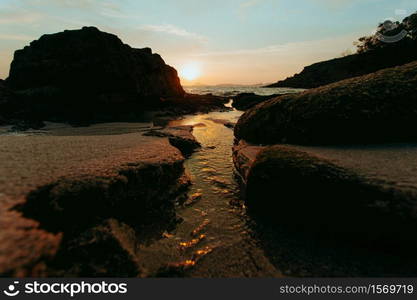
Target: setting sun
190	71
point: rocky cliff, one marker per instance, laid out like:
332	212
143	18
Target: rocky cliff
337	69
88	74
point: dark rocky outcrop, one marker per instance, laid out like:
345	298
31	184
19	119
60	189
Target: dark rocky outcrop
351	192
6	100
230	125
337	69
88	75
193	103
180	137
226	123
244	155
174	107
378	107
13	112
245	101
102	250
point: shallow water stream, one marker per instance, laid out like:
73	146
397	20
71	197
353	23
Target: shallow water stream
211	238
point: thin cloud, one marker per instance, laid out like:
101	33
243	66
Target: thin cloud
246	5
173	30
335	4
249	3
19	17
286	48
63	3
15	37
103	7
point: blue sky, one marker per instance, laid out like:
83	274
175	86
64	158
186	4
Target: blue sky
233	41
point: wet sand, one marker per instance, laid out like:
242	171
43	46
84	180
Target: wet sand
30	163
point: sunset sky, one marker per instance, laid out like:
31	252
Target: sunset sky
213	41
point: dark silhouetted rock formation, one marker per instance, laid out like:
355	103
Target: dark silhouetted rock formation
378	107
180	137
193	103
245	101
85	75
5	95
337	69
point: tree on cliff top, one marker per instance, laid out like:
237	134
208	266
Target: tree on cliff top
391	34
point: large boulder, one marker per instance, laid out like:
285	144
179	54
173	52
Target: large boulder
87	74
378	107
364	193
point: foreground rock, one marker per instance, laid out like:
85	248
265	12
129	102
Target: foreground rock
363	193
193	103
224	122
337	69
245	101
77	205
179	136
244	155
379	107
84	75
